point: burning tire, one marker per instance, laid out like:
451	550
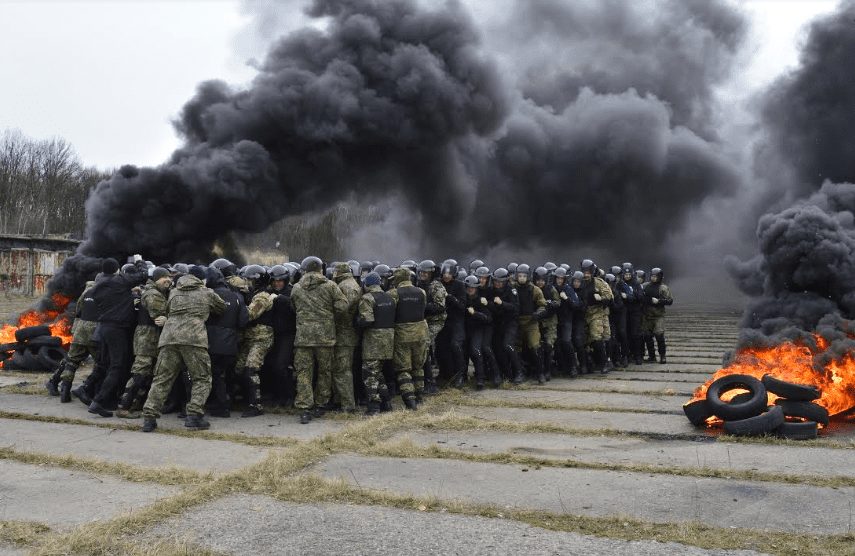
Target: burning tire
4	355
10	347
697	411
50	357
39	341
757	425
25	360
798	431
791	390
24	334
730	411
804	410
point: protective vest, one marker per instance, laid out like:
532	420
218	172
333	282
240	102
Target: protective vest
89	311
526	300
143	318
384	310
411	305
652	290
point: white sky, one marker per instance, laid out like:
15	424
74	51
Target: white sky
108	76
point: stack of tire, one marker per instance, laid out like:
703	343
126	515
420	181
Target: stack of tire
793	415
34	350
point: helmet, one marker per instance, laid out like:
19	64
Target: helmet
383	271
540	273
280	272
409	264
616	270
550	267
364	268
181	268
512	267
610	278
500	275
461	274
328	271
127	268
472	282
475	264
578	275
587	265
354	267
225	266
523	269
560	272
213	277
449	266
627	267
427	265
658	273
312	264
254	272
565	266
482	272
640	274
371	279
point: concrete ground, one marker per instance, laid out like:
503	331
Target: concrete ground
592	465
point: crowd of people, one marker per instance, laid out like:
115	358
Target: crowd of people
321	338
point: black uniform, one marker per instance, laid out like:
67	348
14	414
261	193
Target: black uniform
567	326
223	344
505	330
475	324
279	361
452	338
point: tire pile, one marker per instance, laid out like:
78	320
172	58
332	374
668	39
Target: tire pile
793	416
34	350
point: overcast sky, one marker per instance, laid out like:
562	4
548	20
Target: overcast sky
110	75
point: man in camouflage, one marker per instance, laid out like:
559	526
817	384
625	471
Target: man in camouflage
183	346
256	341
657	296
346	336
82	344
549	321
435	317
411	337
316	301
376	317
597	296
532	307
146	335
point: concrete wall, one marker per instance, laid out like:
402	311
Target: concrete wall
28	262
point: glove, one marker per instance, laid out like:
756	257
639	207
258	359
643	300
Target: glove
483	301
623	295
497	300
160	321
471	310
563	296
136	301
272	296
654	300
598	297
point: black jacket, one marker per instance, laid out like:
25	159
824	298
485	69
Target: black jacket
455	301
112	295
223	329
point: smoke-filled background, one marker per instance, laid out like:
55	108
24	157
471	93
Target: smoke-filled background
509	130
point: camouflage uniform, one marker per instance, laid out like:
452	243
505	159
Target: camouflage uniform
346	337
653	321
316	300
597	315
82	341
411	342
146	336
257	339
436	294
184	345
549	328
529	328
378	346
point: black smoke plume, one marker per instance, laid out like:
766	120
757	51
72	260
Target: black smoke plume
394	98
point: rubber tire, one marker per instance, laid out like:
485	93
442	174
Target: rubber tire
4	355
11	347
798	431
728	411
697	412
791	390
39	341
806	410
22	360
758	425
51	356
741	398
24	334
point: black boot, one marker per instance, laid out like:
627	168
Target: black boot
660	343
53	382
65	391
478	363
547	362
573	365
97	409
305	417
648	343
131	392
149	424
196	422
81	394
373	408
410	403
250	394
605	365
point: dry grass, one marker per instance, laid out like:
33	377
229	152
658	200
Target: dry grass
458	398
22	533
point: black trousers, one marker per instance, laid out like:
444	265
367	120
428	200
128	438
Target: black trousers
116	353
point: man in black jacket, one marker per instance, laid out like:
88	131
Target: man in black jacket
223	340
116	321
452	338
280	358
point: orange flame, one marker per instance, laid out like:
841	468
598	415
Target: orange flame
794	363
56	319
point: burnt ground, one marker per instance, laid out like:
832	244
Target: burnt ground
594	465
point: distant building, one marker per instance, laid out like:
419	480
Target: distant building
27	262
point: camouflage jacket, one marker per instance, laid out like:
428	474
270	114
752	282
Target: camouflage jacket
377	343
601	287
189	306
83	330
409	332
316	301
345	331
238	284
661	292
146	336
436	295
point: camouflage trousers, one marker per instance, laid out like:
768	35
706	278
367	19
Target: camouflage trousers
254	345
549	331
598	326
143	365
171	361
341	377
375	383
304	367
409	357
429	367
654	325
77	354
529	333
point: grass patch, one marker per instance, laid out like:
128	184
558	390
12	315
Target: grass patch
22	533
461	398
313	489
170	475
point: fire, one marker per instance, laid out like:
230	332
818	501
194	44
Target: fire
794	363
55	318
